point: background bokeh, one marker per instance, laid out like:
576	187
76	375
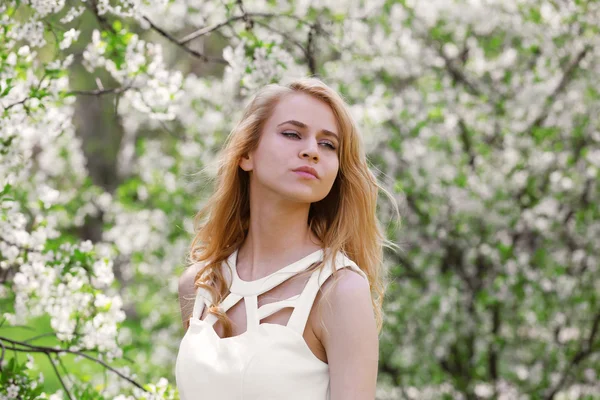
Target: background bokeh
481	116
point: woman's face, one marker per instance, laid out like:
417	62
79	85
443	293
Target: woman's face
301	132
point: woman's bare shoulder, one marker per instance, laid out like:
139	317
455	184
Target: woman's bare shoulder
187	279
187	291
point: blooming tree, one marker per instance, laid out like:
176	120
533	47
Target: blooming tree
481	116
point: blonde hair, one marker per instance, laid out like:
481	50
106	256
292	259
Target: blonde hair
345	220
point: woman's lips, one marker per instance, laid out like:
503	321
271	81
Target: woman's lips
305	175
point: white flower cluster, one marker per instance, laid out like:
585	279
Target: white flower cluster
45	7
69	37
135	231
39	129
123	8
72	13
162	390
31	31
36	126
17	384
268	63
63	292
173	15
12	392
152	90
131	8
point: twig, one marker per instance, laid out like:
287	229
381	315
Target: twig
457	74
95	92
15	104
411	271
208	29
310	56
564	81
59	377
39	336
100	92
102	20
2	354
195	53
585	350
245	16
284	35
48	350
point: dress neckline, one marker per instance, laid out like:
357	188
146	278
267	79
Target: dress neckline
268	282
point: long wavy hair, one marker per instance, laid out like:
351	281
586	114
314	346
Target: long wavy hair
344	221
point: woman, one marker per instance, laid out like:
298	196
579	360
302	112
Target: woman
294	205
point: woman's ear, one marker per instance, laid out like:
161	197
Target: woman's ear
246	163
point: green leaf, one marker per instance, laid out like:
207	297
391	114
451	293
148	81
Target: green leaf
461	179
493	45
436	114
535	15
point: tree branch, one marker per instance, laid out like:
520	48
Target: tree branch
245	16
208	29
16	104
2	354
95	92
195	53
566	78
466	141
586	348
310	54
49	350
493	349
285	36
411	271
100	92
102	20
457	74
59	377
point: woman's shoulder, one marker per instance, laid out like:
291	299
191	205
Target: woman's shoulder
343	294
187	279
344	266
347	277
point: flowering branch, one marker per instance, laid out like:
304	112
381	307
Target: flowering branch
59	377
16	104
564	81
586	348
247	15
305	50
28	348
100	92
195	53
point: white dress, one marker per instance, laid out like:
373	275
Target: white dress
268	361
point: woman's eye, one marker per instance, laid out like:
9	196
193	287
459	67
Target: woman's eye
288	133
291	133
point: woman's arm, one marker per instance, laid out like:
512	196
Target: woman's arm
187	294
350	337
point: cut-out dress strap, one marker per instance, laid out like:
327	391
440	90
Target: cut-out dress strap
263	285
243	366
301	312
271	308
250	290
203	297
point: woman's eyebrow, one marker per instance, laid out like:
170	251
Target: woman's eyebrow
303	125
